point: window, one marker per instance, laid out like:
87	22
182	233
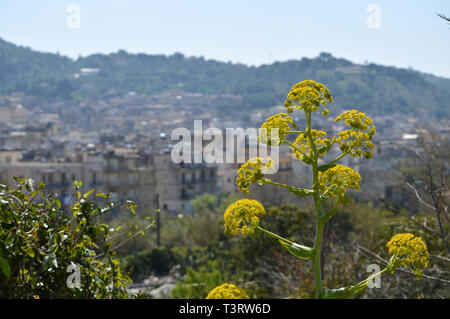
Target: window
202	176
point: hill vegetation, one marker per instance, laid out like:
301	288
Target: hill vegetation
372	88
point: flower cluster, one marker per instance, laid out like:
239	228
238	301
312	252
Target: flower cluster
281	122
308	95
354	140
303	144
410	252
335	181
242	216
227	291
252	172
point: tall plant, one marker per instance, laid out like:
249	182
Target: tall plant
330	182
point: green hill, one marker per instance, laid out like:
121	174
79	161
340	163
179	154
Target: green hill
374	88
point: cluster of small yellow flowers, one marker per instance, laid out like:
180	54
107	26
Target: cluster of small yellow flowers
410	252
308	95
227	291
335	181
354	140
303	144
282	122
252	172
242	216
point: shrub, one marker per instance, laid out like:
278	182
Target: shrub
53	251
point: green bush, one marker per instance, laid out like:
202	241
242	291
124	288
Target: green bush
197	284
44	245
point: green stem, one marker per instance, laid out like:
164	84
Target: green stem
268	181
319	222
331	213
274	235
316	260
337	159
295	148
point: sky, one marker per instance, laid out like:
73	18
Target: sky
400	33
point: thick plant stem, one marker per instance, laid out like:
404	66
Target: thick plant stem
319	222
316	260
319	234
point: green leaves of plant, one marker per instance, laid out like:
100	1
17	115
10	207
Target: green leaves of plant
50	262
28	250
300	191
343	293
4	267
297	250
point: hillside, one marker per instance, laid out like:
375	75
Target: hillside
375	88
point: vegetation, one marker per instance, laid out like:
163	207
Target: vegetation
49	250
378	89
329	185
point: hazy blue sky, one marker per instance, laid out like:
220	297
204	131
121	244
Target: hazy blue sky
246	31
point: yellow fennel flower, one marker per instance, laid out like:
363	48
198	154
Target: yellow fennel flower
227	291
252	172
303	144
356	141
411	252
308	95
242	216
335	181
281	122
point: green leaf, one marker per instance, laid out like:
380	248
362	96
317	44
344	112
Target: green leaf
50	261
88	193
28	250
4	267
297	250
300	191
343	293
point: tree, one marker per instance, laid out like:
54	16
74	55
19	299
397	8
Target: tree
442	16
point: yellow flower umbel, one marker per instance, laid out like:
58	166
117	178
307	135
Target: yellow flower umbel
304	144
354	140
282	122
410	252
227	291
308	95
252	172
335	181
242	216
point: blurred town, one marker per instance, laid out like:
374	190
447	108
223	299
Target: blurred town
121	145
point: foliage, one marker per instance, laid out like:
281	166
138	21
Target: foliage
157	261
329	186
374	88
197	284
41	241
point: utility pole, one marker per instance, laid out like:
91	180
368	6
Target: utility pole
158	221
